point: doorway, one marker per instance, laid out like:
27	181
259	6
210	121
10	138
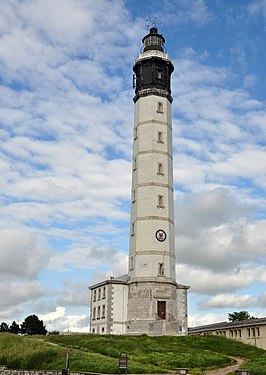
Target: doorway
161	309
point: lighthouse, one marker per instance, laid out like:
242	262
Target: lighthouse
157	304
147	300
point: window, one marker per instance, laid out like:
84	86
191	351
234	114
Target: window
159	107
160	201
98	312
239	333
160	169
134	164
258	332
253	332
99	294
102	329
94	295
135	133
133	196
104	292
160	137
248	332
131	263
159	74
161	269
103	312
93	330
132	229
93	313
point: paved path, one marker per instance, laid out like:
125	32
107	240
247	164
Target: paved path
226	370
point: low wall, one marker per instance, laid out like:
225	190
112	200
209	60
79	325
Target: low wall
6	371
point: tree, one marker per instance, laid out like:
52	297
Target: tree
32	325
4	327
239	316
14	328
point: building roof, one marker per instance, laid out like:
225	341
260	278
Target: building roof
228	325
112	280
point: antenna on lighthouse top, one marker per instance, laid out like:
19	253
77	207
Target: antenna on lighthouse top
153	40
154	23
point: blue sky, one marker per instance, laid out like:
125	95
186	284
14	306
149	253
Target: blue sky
66	123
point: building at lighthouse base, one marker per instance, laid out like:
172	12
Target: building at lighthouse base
158	308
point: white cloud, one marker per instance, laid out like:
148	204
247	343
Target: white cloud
197	319
77	295
247	163
18	292
257	7
216	282
219	224
262	300
22	254
10	313
250	81
58	313
229	301
195	12
220	121
84	258
58	320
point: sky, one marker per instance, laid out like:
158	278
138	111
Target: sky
66	133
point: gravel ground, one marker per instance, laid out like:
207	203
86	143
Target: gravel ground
226	370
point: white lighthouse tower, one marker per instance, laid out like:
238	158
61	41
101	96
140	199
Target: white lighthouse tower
156	303
147	300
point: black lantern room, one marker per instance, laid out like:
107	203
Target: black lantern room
153	72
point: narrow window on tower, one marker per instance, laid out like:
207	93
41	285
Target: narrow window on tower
134	164
160	169
161	269
135	133
134	196
160	107
160	201
160	137
131	263
132	229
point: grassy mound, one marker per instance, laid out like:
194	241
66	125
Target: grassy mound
95	353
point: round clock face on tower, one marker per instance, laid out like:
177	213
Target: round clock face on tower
160	235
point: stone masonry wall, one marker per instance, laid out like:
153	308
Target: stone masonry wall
6	371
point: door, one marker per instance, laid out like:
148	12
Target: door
161	309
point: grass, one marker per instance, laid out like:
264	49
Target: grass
95	353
